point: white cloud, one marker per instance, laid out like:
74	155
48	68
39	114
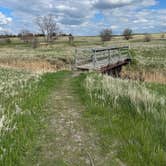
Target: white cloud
108	4
77	16
149	2
114	27
4	20
111	4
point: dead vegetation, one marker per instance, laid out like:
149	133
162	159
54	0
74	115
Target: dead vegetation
33	65
147	38
106	35
143	75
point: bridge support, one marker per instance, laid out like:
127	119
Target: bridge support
115	72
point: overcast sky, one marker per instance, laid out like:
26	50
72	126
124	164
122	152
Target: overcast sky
85	17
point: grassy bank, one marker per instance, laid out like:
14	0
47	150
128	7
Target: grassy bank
21	114
129	117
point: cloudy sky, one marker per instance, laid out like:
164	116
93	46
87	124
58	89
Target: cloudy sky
85	17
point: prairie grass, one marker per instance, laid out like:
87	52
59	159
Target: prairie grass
22	96
129	116
148	64
150	58
62	48
16	86
151	76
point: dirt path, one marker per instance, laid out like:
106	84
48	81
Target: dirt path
67	139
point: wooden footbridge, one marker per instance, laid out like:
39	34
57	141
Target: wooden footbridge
105	60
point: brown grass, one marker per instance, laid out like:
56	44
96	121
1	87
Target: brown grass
147	76
33	65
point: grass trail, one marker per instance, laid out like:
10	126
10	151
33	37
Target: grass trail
66	138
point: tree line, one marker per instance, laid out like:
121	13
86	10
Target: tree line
49	29
107	34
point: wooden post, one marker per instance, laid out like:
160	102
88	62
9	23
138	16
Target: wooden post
129	46
94	59
119	53
109	57
75	57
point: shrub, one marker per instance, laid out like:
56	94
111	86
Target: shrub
147	38
106	34
5	41
163	35
8	41
127	33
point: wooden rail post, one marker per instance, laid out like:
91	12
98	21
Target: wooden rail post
129	46
118	53
94	60
75	58
109	57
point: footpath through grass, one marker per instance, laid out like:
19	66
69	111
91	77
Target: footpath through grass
65	127
66	137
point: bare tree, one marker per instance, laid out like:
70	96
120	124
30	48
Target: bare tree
106	34
47	26
127	33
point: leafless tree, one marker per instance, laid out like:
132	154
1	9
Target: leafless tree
127	33
106	34
48	26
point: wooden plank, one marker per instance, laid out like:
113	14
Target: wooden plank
109	48
102	63
104	59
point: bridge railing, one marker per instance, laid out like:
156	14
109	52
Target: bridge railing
83	56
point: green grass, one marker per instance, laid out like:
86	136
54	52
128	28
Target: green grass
133	138
15	142
136	139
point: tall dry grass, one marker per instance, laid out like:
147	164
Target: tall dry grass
130	117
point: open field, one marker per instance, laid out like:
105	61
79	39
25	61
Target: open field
60	54
62	49
54	117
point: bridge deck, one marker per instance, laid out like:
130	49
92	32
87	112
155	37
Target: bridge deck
104	63
104	59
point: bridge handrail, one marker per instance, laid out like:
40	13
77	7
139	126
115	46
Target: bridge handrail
94	57
109	48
